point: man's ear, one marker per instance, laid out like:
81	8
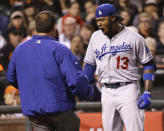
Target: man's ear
113	18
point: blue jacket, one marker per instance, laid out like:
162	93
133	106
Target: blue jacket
48	76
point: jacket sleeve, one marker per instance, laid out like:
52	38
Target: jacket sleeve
11	72
75	78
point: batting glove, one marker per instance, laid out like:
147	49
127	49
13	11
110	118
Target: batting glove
145	100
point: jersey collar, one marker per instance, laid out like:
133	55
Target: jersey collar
42	37
118	34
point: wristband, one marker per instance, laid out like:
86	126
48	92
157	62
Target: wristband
149	76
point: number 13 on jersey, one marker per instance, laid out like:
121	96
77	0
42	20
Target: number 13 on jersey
122	62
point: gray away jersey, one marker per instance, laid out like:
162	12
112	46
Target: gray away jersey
117	60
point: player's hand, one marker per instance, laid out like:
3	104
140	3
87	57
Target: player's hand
145	100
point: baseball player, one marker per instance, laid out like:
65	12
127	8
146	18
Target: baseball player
116	52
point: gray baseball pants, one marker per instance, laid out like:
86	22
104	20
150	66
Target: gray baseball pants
119	107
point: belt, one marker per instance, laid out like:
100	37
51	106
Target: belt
116	85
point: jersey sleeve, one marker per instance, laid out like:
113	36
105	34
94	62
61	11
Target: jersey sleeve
89	56
144	54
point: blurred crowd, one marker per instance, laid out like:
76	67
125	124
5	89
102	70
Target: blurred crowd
74	27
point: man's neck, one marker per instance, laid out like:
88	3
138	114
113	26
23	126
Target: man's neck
116	30
45	34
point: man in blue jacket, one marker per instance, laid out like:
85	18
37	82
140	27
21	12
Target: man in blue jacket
49	77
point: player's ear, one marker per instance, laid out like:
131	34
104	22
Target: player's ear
113	18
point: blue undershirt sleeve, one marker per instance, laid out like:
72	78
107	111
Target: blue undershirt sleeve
89	70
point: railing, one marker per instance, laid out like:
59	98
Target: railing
85	106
